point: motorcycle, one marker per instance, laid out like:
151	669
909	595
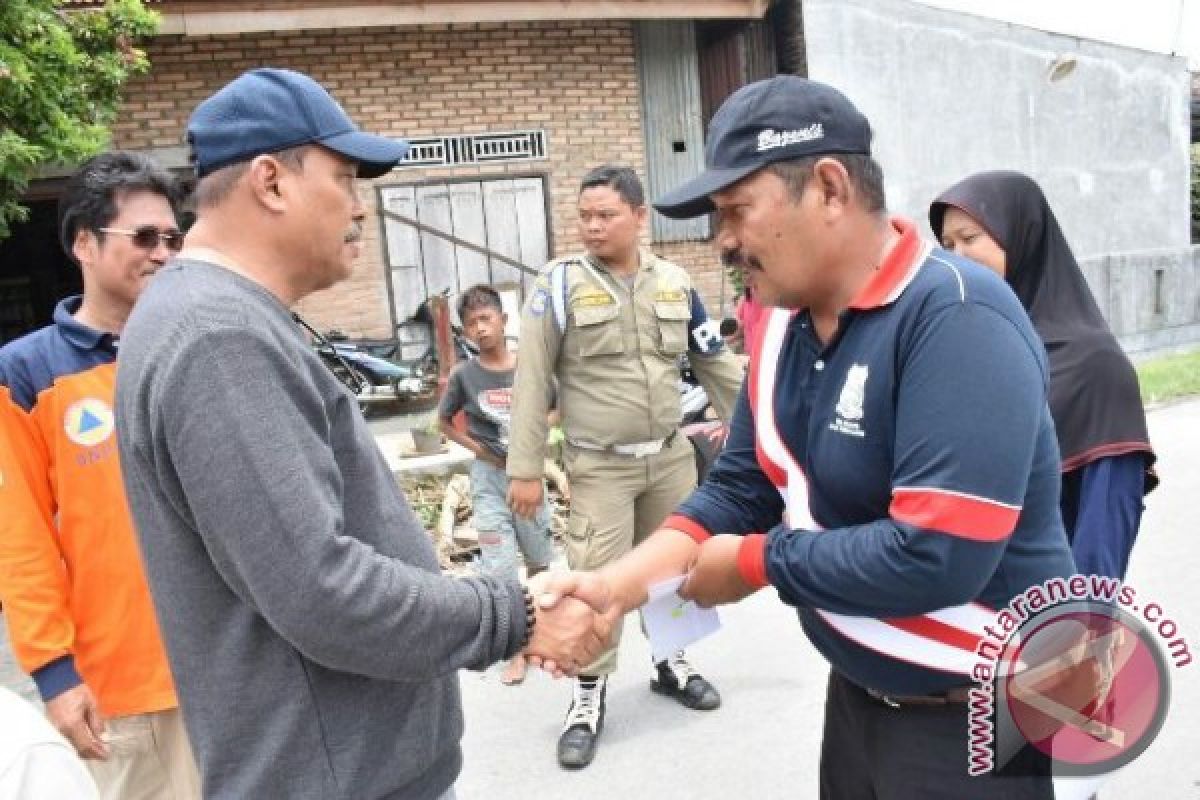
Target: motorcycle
413	342
404	368
372	378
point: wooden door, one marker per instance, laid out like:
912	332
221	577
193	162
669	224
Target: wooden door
506	217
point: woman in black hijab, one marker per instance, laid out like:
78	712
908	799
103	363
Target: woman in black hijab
1002	220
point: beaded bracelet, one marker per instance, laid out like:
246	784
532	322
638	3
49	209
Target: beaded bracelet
530	617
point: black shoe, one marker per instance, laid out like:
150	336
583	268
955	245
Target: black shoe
677	679
585	720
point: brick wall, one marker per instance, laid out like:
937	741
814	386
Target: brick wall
578	81
700	260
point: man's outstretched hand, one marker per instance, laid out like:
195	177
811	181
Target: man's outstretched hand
575	616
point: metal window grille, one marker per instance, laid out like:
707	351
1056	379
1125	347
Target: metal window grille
475	148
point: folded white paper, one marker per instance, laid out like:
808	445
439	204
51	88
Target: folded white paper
673	623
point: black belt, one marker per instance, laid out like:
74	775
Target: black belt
957	696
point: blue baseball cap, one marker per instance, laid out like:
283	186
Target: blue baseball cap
780	118
268	110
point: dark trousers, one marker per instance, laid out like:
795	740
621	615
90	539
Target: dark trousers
872	751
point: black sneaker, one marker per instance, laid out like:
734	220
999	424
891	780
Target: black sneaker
677	679
585	720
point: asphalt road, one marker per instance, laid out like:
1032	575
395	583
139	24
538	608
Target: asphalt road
764	741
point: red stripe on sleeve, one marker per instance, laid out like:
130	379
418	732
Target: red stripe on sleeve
752	559
687	525
962	515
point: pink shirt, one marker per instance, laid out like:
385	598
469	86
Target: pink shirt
749	313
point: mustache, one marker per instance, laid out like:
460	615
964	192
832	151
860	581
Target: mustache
734	257
354	234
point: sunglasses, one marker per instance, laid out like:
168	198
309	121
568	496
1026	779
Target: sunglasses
147	237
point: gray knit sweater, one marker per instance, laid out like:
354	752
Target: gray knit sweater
313	640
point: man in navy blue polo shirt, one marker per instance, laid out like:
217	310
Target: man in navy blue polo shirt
891	468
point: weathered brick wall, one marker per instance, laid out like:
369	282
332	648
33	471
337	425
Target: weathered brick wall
700	260
578	81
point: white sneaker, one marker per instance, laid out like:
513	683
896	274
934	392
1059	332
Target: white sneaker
677	679
585	719
587	703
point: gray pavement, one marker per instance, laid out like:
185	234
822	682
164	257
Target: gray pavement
764	741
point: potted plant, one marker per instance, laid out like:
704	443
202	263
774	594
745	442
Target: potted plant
428	440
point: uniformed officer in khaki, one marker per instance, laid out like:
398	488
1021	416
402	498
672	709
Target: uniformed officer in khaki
611	326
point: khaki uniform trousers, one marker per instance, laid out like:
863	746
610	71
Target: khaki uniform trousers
150	758
616	502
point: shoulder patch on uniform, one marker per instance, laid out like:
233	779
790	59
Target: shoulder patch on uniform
537	304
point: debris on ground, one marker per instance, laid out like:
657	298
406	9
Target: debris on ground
443	505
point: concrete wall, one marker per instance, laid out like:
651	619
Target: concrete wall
1152	299
949	94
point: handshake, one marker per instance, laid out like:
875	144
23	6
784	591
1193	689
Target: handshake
574	617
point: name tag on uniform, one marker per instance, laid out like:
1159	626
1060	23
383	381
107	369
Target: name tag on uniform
592	299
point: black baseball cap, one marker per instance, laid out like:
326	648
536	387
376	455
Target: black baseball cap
780	118
268	110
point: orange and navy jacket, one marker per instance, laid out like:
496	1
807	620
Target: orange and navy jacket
898	484
72	585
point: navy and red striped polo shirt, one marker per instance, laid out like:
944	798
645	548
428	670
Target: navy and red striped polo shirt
906	473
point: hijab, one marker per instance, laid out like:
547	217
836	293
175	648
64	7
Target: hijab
1094	396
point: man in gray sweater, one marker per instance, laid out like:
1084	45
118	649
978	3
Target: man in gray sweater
314	642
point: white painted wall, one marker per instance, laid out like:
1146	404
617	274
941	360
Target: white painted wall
949	94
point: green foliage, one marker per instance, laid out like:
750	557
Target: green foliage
737	280
60	80
1170	377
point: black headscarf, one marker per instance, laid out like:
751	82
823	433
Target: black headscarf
1094	395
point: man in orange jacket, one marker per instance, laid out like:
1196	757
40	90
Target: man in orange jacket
73	589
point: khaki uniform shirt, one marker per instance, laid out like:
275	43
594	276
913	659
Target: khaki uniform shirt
615	350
